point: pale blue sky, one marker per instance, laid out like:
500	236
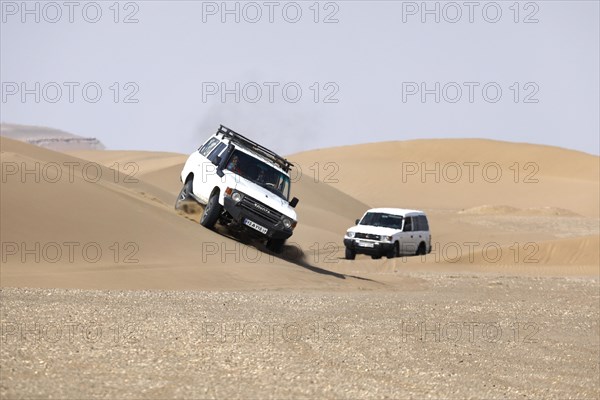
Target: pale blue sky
374	52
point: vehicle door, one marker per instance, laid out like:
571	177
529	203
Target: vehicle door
207	177
408	245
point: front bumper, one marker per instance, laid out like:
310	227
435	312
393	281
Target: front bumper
238	214
379	248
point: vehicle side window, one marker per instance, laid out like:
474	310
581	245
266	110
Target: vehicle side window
208	146
213	155
408	224
423	224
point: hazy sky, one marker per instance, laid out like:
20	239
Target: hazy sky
304	75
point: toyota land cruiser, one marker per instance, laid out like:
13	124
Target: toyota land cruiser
242	185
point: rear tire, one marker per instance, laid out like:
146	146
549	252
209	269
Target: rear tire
275	245
184	194
212	211
421	250
395	252
350	254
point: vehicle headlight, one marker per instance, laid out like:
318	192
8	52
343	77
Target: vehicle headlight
236	196
386	238
287	223
350	234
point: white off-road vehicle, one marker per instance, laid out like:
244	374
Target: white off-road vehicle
242	185
389	232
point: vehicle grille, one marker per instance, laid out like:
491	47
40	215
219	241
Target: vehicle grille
359	235
256	207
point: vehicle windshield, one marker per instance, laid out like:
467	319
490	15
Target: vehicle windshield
381	219
260	173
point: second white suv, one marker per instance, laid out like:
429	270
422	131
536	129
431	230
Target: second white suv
389	232
242	185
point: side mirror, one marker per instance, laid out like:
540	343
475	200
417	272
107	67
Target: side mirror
357	221
294	202
221	160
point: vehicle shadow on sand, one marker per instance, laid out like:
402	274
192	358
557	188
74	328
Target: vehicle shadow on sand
291	252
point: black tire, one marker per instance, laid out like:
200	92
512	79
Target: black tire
275	245
184	195
350	254
421	249
376	257
395	252
212	211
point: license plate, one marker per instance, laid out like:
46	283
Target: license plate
255	226
366	244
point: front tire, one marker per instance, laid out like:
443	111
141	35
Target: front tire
350	254
394	252
275	245
212	211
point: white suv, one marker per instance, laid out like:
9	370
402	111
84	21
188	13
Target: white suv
389	232
242	185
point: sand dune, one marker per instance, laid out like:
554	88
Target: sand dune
572	252
508	210
478	193
128	214
462	173
155	246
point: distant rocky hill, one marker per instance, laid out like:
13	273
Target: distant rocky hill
49	138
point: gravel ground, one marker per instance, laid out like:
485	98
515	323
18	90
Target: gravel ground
464	336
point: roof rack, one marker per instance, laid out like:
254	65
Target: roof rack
239	139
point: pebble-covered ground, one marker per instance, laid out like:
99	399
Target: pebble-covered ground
455	336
